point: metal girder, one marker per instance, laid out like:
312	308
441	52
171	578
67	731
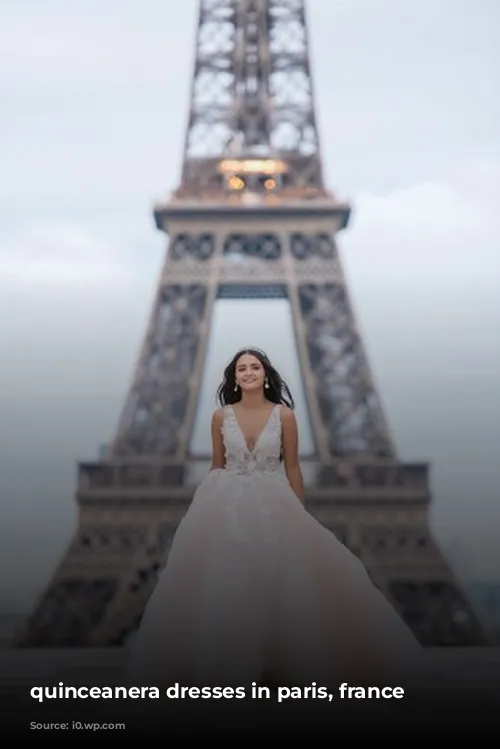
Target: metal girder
252	88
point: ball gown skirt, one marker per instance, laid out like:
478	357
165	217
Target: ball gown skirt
256	590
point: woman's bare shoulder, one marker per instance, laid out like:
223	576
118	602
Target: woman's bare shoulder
218	416
287	415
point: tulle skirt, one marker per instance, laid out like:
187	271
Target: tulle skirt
256	590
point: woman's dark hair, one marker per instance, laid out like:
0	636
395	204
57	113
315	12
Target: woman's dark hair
277	392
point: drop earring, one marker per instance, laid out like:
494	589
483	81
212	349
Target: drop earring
236	388
266	384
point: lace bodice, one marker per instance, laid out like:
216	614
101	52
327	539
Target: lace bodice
264	457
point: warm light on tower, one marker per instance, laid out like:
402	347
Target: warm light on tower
252	175
253	166
235	183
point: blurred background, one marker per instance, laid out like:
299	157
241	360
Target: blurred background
94	103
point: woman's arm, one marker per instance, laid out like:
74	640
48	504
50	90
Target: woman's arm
291	452
218	451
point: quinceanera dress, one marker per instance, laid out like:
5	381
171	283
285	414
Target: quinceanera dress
256	589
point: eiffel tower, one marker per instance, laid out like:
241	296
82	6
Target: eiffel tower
251	218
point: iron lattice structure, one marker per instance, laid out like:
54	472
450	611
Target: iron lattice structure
252	89
251	218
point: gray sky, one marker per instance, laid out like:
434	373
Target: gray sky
94	102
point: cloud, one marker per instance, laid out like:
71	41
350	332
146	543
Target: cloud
59	255
438	232
68	41
421	264
440	229
55	47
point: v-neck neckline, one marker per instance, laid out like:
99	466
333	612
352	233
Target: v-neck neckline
261	433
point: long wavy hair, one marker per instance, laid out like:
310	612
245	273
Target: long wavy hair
277	392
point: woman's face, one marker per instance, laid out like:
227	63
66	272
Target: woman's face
249	373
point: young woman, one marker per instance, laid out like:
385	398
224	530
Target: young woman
255	589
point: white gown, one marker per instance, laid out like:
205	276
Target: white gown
256	590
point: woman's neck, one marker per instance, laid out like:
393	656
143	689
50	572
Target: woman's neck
253	400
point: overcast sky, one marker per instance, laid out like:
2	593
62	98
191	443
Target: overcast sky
94	100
